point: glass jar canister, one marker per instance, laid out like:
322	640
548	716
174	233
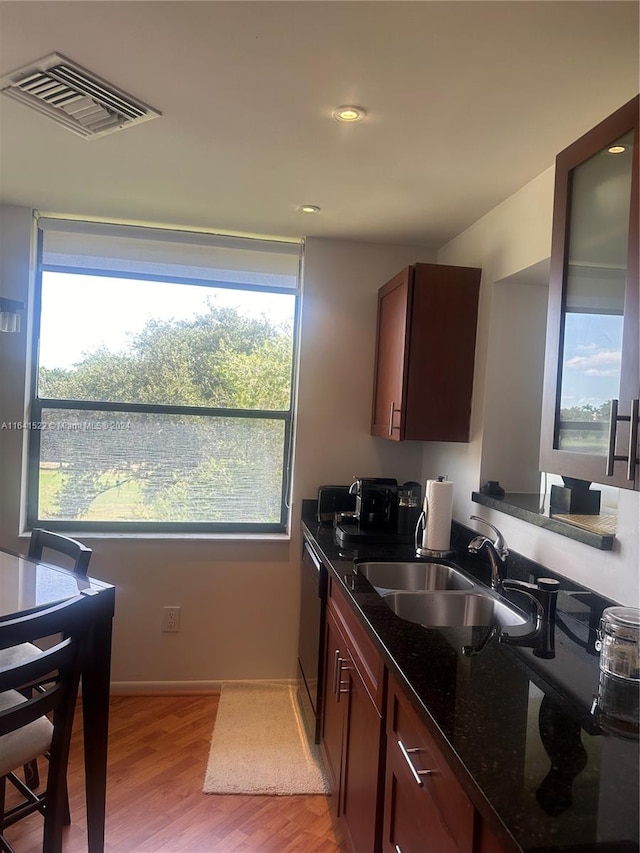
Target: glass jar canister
619	642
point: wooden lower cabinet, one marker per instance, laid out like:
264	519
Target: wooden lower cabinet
425	809
352	735
333	704
486	840
392	790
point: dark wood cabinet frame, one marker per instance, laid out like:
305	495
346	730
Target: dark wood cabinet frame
584	466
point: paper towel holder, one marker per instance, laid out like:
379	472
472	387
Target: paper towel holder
427	552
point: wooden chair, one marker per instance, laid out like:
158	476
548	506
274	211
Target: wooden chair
77	553
79	556
25	730
78	559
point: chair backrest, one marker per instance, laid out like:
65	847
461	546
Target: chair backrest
57	671
61	663
76	551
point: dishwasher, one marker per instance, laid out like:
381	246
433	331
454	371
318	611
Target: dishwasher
313	600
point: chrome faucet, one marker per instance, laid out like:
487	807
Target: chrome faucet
497	551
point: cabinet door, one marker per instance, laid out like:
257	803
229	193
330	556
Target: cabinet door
391	354
352	729
362	781
441	353
426	810
425	352
592	333
333	715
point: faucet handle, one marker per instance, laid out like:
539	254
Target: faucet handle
500	545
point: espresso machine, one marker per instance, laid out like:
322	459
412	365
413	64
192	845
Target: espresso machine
375	519
376	503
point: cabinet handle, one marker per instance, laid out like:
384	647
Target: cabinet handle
631	458
398	850
341	686
392	412
336	670
407	757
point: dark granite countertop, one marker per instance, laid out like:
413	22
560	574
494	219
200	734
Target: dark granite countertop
543	771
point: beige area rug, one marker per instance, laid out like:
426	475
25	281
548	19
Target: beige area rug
259	744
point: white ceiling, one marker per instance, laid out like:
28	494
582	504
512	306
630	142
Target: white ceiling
467	102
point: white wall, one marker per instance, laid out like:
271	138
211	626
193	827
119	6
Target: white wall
512	238
239	599
341	280
513	400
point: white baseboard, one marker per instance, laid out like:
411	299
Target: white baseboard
181	688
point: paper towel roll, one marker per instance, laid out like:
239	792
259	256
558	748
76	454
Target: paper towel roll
438	508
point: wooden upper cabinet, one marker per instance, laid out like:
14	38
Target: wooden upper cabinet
425	351
592	369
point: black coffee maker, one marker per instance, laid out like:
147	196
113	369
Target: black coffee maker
376	503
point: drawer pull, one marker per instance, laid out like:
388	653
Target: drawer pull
398	850
407	753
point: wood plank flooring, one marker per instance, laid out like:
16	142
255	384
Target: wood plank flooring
157	758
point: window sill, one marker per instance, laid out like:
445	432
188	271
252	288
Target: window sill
85	536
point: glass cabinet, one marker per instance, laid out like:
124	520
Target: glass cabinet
592	372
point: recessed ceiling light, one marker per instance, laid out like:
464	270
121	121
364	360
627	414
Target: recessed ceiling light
349	114
617	149
308	208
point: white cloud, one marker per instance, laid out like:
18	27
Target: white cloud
598	361
592	371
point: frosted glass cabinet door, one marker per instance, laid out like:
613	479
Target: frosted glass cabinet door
592	373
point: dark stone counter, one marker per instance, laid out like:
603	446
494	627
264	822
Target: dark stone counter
541	768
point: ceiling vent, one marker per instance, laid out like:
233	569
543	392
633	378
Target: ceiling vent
75	98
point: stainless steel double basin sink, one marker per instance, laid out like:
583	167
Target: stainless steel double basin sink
437	595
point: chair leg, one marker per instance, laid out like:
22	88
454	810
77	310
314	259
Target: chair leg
31	774
66	812
56	811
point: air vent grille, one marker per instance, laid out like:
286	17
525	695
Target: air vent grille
74	97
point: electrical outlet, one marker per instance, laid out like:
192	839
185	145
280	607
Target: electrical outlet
171	619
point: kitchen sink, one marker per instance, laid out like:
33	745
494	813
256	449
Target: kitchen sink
452	609
413	576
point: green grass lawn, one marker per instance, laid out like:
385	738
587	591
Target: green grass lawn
49	484
121	503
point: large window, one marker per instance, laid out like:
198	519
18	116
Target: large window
163	380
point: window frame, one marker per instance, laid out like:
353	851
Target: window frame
139	527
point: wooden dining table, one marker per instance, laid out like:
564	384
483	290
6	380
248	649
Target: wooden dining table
25	584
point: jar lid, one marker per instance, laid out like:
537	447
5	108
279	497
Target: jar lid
622	621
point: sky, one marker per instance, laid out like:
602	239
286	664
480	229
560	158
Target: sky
592	352
82	313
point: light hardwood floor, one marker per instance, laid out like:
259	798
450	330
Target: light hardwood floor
157	758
